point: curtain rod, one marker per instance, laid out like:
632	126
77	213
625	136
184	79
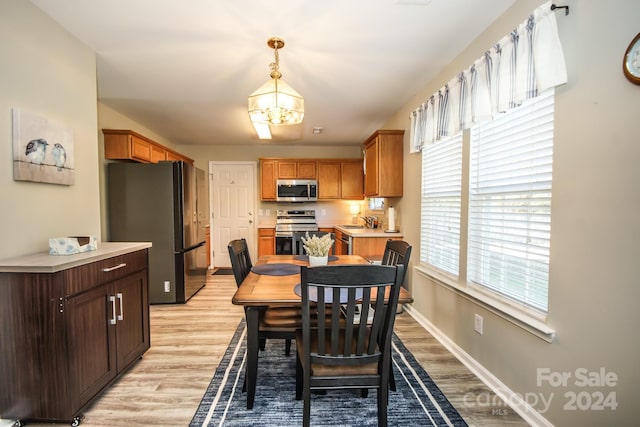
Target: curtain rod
566	8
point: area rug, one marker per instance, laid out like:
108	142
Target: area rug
417	401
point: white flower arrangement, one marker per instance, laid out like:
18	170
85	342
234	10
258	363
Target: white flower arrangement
317	246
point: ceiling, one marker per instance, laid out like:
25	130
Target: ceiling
184	69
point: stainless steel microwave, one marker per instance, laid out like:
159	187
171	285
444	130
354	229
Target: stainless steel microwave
296	190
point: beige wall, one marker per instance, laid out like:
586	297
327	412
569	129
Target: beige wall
48	72
595	232
594	268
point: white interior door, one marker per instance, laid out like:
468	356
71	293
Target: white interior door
232	207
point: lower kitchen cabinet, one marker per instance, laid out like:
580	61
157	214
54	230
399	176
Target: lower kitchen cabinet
266	241
68	334
370	246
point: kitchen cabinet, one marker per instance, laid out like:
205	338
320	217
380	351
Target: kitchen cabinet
268	179
383	164
296	169
341	247
266	241
122	144
69	333
337	178
369	246
340	179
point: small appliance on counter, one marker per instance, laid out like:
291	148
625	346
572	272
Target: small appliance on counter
391	221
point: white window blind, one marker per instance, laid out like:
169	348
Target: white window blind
441	195
510	202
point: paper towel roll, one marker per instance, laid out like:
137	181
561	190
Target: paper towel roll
391	219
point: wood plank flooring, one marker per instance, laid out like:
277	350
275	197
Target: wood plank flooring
187	342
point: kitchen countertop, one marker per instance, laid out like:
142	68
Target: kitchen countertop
42	262
366	232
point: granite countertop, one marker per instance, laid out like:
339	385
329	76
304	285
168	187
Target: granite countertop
42	262
366	232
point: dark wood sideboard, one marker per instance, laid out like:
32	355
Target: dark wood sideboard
70	326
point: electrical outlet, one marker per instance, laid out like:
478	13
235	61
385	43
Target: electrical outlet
477	323
260	212
167	286
268	212
323	212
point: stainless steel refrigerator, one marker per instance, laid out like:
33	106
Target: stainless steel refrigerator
163	203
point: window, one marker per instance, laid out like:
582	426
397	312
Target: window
507	219
441	198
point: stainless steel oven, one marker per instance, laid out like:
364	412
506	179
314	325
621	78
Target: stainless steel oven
290	221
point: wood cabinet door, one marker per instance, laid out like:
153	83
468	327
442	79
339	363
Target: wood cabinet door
158	154
351	180
371	169
140	149
266	241
287	170
268	179
132	318
306	170
329	180
91	342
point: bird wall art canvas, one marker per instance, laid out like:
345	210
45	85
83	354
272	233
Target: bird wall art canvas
42	149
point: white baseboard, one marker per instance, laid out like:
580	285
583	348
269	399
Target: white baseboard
515	401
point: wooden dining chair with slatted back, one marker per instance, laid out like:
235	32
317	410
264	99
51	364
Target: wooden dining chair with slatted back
396	252
276	322
341	352
297	245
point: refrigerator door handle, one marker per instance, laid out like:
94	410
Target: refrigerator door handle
190	248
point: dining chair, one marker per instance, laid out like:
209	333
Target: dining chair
275	322
340	352
298	249
396	252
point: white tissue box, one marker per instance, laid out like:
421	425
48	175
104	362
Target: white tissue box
72	245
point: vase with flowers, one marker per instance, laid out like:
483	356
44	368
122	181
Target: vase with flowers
317	248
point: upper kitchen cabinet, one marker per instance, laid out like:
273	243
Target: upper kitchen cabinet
268	177
129	145
297	169
383	164
340	179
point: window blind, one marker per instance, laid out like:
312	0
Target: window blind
441	200
510	202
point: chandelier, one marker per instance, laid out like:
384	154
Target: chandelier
275	103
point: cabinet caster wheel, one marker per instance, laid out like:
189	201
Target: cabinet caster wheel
77	420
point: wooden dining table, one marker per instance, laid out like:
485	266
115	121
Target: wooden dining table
258	291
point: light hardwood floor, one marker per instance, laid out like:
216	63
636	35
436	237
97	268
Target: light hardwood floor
187	342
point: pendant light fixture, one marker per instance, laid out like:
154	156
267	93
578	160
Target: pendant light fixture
275	103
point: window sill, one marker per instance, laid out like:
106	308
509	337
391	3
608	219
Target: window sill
521	317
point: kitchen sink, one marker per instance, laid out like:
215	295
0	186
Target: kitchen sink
352	226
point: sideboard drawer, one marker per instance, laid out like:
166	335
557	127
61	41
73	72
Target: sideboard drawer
122	265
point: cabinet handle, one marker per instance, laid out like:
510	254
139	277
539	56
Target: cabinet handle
121	315
106	270
112	299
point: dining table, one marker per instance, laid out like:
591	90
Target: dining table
272	283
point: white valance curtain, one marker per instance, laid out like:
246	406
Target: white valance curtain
520	66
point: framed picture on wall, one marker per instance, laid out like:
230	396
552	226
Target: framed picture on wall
42	149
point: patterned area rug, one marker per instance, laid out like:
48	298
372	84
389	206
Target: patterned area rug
417	401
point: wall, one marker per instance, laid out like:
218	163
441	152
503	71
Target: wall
46	71
594	266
